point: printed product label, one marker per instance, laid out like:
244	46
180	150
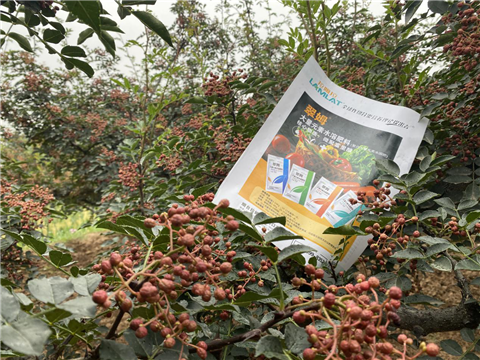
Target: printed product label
342	211
321	196
277	174
299	184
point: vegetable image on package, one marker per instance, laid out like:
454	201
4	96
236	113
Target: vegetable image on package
316	150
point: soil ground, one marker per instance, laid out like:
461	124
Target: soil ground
440	285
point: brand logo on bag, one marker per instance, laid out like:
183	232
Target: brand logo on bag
325	92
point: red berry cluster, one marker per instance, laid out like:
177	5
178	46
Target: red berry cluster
194	262
129	175
466	44
360	330
32	203
213	85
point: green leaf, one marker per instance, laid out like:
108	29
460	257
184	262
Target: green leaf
111	226
347	230
467	264
438	248
408	254
139	2
57	315
53	36
74	51
269	252
87	11
438	7
388	166
472	192
21	40
471	217
80	307
423	299
235	213
279	234
423	196
433	240
251	296
296	339
87	284
203	189
196	100
457	179
467	204
37	245
451	346
412	8
468	334
442	264
84	35
108	41
112	350
445	202
271	347
52	290
292	250
10	307
27	336
82	65
250	231
402	282
262	219
442	160
59	258
153	24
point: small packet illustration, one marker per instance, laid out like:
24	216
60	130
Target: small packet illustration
322	195
299	184
342	211
277	174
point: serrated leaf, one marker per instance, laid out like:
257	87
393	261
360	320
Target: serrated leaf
467	204
458	179
347	230
423	196
445	202
467	264
451	347
262	219
388	166
251	296
408	254
280	234
438	248
27	336
271	347
402	282
153	24
253	233
292	250
52	290
296	339
269	252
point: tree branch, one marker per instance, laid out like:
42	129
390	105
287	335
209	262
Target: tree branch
255	333
424	322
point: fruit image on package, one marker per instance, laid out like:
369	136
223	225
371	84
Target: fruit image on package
321	196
